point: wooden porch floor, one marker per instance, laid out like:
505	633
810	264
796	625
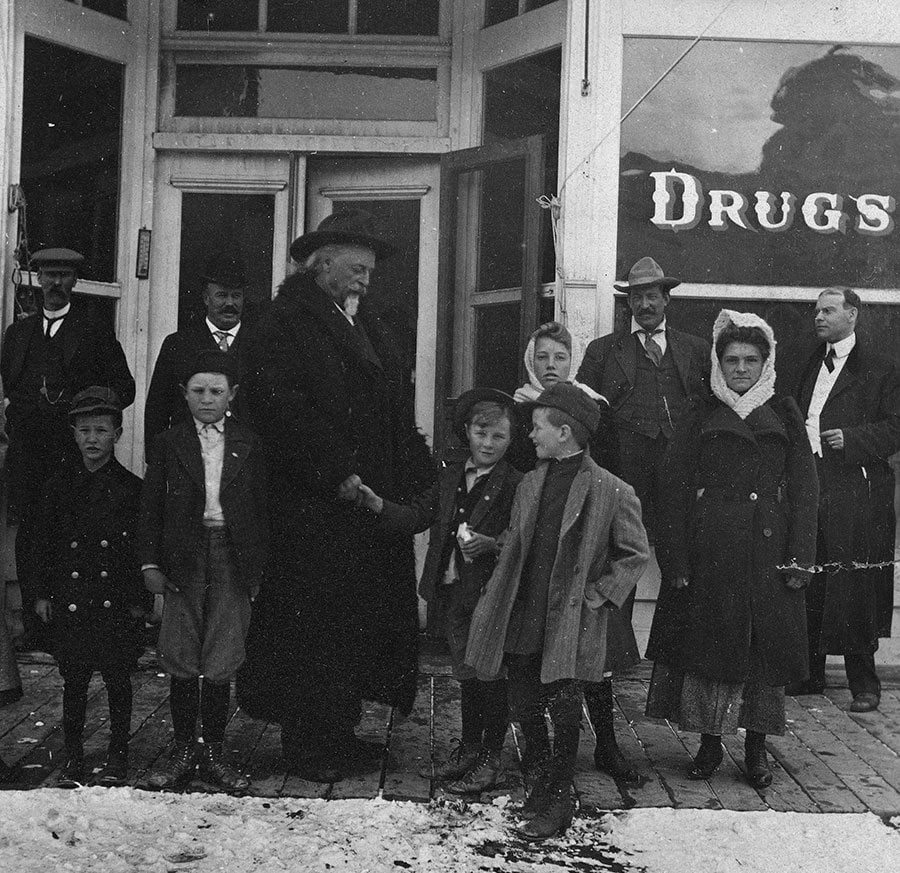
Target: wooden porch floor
829	761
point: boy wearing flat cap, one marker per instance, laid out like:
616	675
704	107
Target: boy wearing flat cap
575	548
89	592
203	538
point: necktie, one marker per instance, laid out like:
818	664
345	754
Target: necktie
652	347
829	360
50	323
222	338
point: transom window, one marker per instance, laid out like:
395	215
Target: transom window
364	17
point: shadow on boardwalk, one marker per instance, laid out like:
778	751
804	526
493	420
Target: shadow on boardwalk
828	761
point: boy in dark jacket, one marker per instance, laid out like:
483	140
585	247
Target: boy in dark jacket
203	538
90	591
475	500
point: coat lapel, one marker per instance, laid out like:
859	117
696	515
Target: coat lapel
626	355
187	448
848	377
577	495
29	327
491	491
71	334
681	356
237	447
530	488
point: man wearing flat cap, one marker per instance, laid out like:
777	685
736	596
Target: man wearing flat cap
648	372
46	359
223	327
336	621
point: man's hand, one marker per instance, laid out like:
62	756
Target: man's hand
794	582
834	438
679	582
156	582
478	545
368	499
44	610
349	488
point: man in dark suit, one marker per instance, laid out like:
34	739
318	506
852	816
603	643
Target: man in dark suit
648	373
223	328
46	359
850	397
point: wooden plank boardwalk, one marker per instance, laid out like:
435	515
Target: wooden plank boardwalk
828	761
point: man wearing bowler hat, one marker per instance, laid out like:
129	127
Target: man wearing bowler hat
337	618
46	359
648	373
223	327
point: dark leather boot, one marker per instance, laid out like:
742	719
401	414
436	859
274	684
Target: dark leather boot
758	773
537	782
178	769
607	757
214	770
708	758
72	774
459	762
556	815
115	770
482	777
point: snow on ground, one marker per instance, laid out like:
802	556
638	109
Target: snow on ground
95	830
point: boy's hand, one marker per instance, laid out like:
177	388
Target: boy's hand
349	488
679	582
44	610
156	582
478	545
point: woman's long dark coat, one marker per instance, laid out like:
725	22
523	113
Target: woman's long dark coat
339	603
739	505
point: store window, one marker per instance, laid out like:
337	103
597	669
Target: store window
496	11
352	93
115	8
71	143
756	163
386	17
522	99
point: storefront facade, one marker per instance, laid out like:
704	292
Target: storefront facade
759	160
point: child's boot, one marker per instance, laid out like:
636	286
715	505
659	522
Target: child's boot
115	770
215	770
460	761
72	774
482	777
758	773
537	781
556	815
607	757
178	769
708	757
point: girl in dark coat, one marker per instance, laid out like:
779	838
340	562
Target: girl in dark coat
548	360
736	546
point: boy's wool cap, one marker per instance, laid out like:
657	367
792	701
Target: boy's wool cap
466	401
347	227
56	258
571	400
95	400
225	269
211	361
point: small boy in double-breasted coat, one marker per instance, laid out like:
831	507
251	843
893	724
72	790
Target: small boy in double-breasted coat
90	592
203	542
575	547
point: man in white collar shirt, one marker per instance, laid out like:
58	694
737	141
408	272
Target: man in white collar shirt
46	359
648	373
850	397
223	327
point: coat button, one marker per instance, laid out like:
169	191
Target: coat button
104	574
753	495
767	531
104	544
75	574
106	604
74	544
72	607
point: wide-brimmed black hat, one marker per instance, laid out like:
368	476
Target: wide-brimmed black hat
467	400
571	400
43	258
347	227
95	401
225	269
646	273
211	361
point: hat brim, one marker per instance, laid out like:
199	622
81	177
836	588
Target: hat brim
469	398
304	246
95	409
667	283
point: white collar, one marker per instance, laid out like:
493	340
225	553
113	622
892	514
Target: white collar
843	347
215	425
59	313
636	328
479	471
233	331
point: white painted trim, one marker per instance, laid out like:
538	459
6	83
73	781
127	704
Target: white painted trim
77	28
291	142
776	293
220	184
291	48
396	192
524	35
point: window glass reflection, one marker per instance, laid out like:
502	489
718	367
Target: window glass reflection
497	352
398	17
70	153
212	15
115	8
308	16
762	163
351	93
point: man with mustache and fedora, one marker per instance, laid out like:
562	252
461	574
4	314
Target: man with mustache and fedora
648	373
336	620
224	328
